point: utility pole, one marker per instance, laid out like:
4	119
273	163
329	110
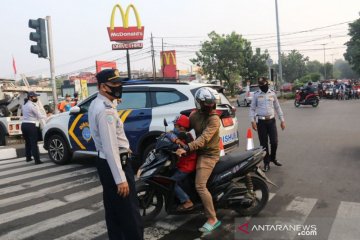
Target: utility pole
52	64
153	57
278	43
128	63
324	61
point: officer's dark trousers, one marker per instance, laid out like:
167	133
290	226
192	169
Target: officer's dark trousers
122	215
30	134
267	129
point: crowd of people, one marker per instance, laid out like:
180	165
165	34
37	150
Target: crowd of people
340	90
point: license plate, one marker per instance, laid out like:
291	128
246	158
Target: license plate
229	138
227	122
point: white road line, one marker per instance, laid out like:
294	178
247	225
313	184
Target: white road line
38	182
302	206
271	195
8	162
346	224
51	223
37	173
88	232
47	205
24	168
45	191
7	153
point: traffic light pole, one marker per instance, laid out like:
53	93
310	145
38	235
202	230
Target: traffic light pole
52	64
128	63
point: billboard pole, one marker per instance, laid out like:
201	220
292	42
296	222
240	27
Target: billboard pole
52	64
153	57
278	43
128	63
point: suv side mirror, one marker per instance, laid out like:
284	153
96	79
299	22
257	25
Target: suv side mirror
75	110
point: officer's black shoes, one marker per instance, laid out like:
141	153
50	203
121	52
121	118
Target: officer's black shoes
266	167
277	163
29	159
38	162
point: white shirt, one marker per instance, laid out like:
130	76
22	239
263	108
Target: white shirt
108	133
32	113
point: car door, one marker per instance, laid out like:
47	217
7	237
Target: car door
136	113
79	130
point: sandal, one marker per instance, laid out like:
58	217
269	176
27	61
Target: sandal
207	227
181	208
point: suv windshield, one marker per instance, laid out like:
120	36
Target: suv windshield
254	88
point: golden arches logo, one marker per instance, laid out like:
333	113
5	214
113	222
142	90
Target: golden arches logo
124	16
165	58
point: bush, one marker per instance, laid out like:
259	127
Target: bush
288	96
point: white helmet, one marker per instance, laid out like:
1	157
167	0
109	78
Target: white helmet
204	95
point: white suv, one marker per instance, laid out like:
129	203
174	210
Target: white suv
144	107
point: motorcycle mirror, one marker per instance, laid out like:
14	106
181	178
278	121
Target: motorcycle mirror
165	123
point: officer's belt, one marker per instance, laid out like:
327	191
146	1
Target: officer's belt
123	161
266	117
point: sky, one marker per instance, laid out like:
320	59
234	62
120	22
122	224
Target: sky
80	36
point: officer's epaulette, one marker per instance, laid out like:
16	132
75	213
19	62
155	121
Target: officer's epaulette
107	105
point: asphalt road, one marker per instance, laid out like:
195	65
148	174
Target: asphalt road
317	187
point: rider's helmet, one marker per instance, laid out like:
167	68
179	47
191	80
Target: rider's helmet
205	99
309	83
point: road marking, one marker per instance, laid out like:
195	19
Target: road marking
38	182
302	206
7	153
36	174
51	223
271	195
45	191
8	162
346	224
24	168
47	205
89	232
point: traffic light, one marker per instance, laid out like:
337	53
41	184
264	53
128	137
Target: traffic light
39	37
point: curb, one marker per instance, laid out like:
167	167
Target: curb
17	151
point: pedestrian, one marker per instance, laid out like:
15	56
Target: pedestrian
66	105
262	117
206	123
30	127
122	214
75	99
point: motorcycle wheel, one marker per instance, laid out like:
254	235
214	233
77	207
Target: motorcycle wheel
297	104
150	202
316	103
262	196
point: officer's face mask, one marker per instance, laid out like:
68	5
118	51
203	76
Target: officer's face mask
116	92
34	100
264	88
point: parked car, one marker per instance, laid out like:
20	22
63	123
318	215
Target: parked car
143	109
287	87
244	97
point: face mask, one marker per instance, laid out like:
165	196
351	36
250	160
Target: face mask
264	88
116	92
176	130
34	100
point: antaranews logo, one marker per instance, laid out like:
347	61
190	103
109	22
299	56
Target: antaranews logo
245	229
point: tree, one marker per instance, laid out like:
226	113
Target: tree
257	66
294	65
344	70
352	54
226	57
313	67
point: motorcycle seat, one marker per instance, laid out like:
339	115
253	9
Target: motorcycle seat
230	160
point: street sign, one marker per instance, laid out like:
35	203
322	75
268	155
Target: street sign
124	46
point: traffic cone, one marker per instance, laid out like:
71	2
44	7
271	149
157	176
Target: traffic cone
250	140
221	147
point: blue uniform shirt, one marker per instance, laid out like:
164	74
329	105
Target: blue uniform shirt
265	105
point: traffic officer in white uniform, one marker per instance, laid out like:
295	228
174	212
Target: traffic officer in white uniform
122	214
30	127
262	108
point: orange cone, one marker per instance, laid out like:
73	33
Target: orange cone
250	140
221	147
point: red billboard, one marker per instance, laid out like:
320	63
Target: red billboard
101	65
125	33
168	64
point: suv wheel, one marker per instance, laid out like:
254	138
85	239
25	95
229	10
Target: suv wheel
58	150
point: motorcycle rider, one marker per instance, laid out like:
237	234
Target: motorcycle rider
206	123
186	164
308	90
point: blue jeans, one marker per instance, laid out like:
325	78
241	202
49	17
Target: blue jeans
180	194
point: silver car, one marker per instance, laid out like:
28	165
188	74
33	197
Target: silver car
244	97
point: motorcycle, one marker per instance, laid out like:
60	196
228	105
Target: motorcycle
237	183
310	99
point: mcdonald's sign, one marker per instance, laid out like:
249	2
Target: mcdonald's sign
125	33
168	63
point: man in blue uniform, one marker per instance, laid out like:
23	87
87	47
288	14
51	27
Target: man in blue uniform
122	215
263	107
